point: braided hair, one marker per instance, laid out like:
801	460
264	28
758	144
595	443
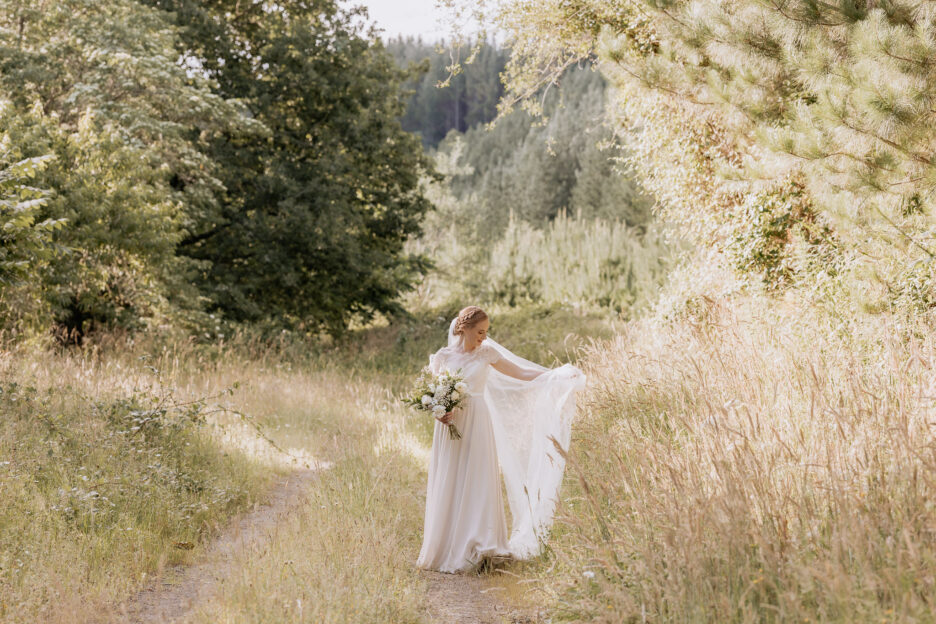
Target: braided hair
468	317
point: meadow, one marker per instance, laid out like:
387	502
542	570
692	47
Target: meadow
213	275
751	463
126	457
737	462
737	457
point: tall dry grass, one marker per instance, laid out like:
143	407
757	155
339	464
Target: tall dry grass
104	483
108	474
753	462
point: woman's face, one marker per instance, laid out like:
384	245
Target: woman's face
473	336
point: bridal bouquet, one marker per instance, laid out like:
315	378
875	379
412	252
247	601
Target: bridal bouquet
438	394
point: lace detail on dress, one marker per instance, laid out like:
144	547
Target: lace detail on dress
484	351
490	354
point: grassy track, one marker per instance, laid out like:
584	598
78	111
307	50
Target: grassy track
348	554
101	485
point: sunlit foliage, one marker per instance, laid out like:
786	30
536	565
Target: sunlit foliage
721	100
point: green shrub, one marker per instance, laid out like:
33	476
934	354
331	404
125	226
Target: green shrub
772	227
576	260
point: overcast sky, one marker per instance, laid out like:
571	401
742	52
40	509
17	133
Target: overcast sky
407	17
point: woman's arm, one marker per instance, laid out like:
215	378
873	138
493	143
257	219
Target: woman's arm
509	368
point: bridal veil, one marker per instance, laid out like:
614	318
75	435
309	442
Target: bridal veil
526	416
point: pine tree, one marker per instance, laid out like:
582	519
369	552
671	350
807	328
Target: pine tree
442	102
726	98
536	168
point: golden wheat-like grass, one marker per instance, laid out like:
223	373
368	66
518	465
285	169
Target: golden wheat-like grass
751	464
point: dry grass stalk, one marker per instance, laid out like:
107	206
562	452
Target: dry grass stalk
753	465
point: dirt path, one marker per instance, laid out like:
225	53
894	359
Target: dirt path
472	599
181	589
452	598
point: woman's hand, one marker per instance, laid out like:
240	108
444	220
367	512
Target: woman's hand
447	418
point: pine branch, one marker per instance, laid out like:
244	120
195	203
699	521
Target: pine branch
902	233
661	87
913	155
780	10
197	238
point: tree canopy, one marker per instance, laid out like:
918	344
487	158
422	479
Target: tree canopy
814	112
315	215
229	157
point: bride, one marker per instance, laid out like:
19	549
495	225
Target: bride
515	415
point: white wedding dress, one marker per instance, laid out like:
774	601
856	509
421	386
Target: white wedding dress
508	427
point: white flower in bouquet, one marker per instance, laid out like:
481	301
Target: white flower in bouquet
438	394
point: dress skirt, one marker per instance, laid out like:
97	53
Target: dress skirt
465	518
